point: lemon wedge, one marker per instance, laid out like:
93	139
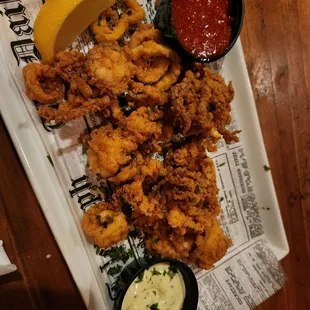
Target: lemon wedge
59	22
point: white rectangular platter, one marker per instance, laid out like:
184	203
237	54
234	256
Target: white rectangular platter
54	203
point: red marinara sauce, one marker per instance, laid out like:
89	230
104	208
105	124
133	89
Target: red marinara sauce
203	27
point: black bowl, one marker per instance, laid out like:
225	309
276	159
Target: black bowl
129	274
163	22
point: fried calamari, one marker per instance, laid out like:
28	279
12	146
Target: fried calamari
146	95
70	65
110	149
210	247
43	83
191	178
175	205
66	111
105	225
110	26
151	49
152	140
201	105
109	69
146	32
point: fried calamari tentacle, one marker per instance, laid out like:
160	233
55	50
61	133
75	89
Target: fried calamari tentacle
70	65
79	91
43	83
66	111
145	95
191	178
146	32
201	105
109	69
152	49
105	225
134	15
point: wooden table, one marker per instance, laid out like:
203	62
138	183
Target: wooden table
276	42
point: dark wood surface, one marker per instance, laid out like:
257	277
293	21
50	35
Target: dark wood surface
276	42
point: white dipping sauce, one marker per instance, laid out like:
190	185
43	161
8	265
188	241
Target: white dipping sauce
161	287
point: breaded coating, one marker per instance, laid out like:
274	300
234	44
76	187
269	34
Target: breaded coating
142	204
201	105
141	125
191	178
105	225
70	65
139	169
109	69
110	149
146	95
133	15
173	246
43	83
210	247
67	111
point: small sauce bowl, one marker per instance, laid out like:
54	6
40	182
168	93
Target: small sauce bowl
163	22
136	268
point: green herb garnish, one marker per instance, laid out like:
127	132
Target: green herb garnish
156	240
172	271
120	253
140	277
114	270
154	306
221	199
154	292
155	272
221	165
197	190
149	110
266	168
97	248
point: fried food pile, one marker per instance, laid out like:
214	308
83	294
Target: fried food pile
174	114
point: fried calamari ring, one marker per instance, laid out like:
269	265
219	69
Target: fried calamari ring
152	49
66	111
101	25
42	83
109	69
146	32
105	225
134	15
151	70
